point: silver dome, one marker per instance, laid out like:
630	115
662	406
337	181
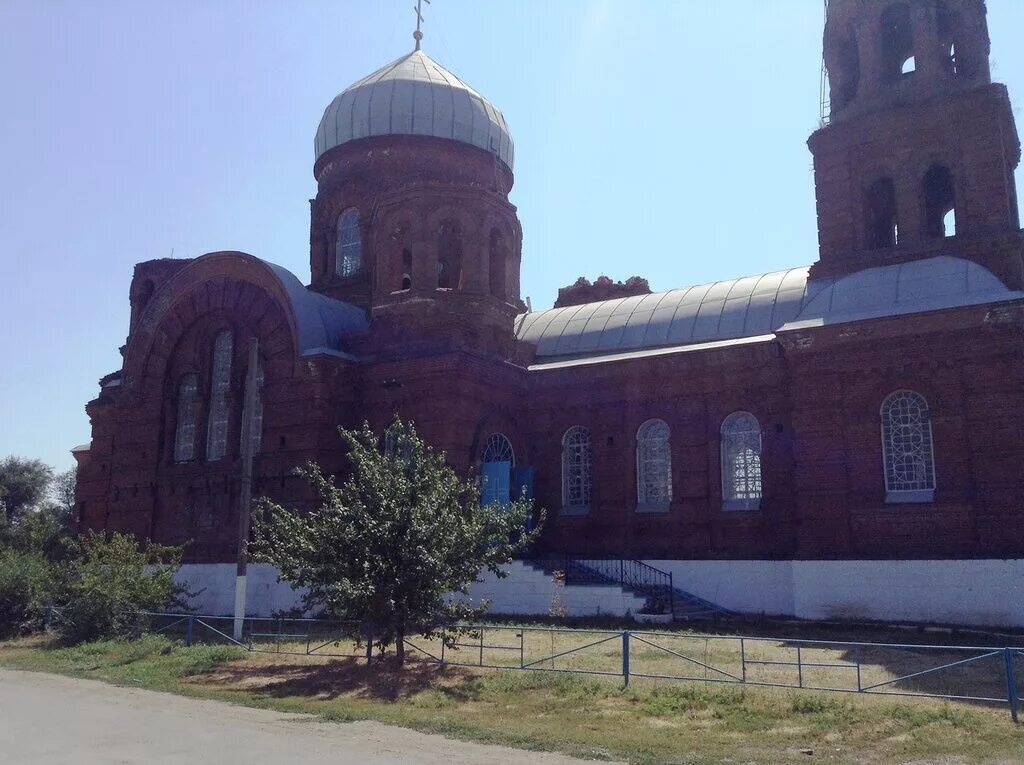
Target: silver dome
414	96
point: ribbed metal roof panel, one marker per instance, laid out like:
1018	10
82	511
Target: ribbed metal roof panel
414	95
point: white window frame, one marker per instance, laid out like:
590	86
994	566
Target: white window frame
577	468
653	434
733	439
348	244
498	448
899	492
187	405
220	382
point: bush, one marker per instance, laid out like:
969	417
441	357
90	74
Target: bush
103	588
25	580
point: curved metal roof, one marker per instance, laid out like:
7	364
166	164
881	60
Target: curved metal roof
917	286
414	95
758	305
747	307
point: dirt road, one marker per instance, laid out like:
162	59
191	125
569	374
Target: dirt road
47	719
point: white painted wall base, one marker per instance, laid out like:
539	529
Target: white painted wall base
967	592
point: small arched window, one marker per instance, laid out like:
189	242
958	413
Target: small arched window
406	269
497	462
348	244
939	203
653	466
741	462
185	426
449	255
220	380
498	449
881	223
257	415
576	470
907	449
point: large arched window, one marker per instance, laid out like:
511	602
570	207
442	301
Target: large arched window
576	470
185	426
449	255
653	466
907	450
220	380
348	246
497	461
897	42
741	462
257	415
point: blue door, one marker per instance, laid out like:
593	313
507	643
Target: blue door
496	479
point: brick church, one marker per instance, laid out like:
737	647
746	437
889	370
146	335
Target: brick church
863	414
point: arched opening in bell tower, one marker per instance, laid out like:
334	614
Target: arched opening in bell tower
939	203
882	222
898	57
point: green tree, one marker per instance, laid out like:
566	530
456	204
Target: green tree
103	587
389	545
23	484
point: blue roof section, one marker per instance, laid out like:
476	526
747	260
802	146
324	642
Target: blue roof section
757	306
917	286
321	321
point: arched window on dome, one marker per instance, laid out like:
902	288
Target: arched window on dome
576	471
653	466
449	255
220	381
406	269
348	245
939	202
497	265
907	448
741	462
185	424
257	416
881	222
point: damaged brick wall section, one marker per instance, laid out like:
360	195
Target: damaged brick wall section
603	288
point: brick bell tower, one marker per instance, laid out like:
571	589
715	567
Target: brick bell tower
919	154
411	219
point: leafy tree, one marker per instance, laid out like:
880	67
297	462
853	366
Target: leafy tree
62	489
23	484
109	581
388	545
25	581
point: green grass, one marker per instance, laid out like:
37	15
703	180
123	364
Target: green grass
592	717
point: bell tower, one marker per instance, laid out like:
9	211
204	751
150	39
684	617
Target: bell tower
918	155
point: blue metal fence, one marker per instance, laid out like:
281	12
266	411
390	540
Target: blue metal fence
976	674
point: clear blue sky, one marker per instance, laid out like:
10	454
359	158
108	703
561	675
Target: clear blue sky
665	139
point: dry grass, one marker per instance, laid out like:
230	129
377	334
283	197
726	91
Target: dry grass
593	716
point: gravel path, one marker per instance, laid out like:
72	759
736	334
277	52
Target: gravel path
48	719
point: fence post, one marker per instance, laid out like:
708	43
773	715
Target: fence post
625	658
47	615
671	595
743	660
1011	683
369	644
188	631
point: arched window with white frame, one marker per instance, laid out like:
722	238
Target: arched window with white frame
185	425
576	470
348	244
497	462
220	381
907	448
653	466
741	462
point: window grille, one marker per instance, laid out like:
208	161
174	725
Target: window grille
576	469
185	427
498	449
257	416
741	459
907	448
348	248
220	379
653	464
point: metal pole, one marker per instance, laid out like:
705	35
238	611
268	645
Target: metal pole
245	498
369	644
743	660
799	669
522	649
1011	683
481	646
188	631
625	658
671	595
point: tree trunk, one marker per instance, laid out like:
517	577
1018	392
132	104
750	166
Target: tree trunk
400	646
